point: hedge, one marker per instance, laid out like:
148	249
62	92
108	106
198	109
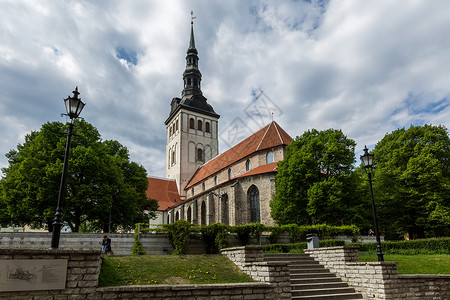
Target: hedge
422	246
299	247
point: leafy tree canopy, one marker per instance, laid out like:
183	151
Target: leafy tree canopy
412	182
102	183
315	182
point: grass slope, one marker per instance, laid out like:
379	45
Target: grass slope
415	264
169	269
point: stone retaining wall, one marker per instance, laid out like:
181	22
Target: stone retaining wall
122	243
83	269
250	261
380	280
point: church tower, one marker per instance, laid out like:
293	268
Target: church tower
192	125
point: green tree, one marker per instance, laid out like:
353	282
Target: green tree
412	183
102	183
315	182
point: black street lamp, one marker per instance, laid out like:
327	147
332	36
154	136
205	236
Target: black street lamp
367	161
74	106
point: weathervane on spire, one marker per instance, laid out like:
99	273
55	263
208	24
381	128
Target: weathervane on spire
192	17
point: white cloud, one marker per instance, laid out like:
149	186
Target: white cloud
343	64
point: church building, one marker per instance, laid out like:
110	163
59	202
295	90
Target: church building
232	188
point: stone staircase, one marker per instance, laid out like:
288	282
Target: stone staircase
310	280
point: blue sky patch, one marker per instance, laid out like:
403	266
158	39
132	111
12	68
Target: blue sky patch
127	54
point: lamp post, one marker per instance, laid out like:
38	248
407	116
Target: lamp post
367	161
74	106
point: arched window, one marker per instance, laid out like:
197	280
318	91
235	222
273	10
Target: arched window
253	197
199	154
248	165
203	186
207	129
173	128
177	216
191	123
199	125
176	125
230	174
269	157
225	212
174	157
215	180
203	214
189	213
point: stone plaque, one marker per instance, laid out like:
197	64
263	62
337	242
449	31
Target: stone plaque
32	274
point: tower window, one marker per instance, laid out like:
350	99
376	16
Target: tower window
215	180
176	125
174	157
189	81
191	123
200	125
207	129
203	186
230	174
170	131
199	154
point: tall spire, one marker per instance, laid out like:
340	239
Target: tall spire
192	76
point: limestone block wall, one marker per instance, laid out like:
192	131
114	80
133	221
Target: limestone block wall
380	280
83	269
250	261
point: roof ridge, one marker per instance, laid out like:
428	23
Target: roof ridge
262	139
278	132
160	178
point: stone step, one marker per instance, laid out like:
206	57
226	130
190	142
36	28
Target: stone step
346	296
309	280
328	291
305	262
318	285
308	269
312	275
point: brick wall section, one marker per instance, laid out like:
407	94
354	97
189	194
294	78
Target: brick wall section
83	269
250	260
380	280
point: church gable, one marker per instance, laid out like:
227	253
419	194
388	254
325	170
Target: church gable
270	137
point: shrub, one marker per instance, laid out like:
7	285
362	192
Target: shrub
137	245
422	246
244	232
178	234
299	247
215	237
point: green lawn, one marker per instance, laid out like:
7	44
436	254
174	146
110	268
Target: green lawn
415	264
169	269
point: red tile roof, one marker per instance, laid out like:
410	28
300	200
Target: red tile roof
270	136
163	190
272	167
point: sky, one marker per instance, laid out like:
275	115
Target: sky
365	67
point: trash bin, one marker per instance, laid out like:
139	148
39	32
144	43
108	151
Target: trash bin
312	240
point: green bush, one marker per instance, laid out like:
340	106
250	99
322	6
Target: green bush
137	245
178	234
422	246
299	247
245	232
215	237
